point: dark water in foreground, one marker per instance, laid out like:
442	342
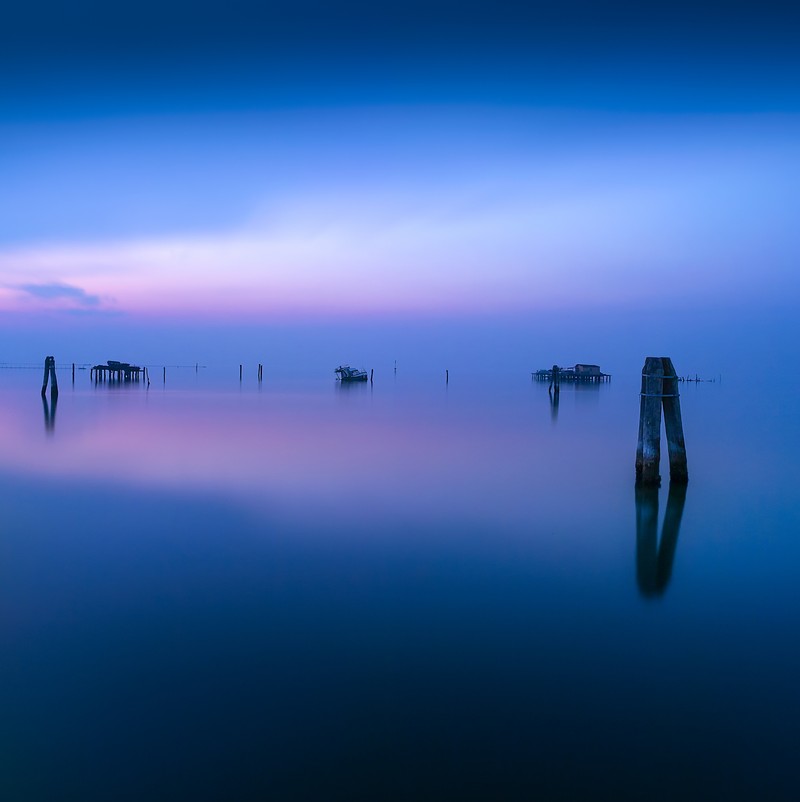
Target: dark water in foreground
307	591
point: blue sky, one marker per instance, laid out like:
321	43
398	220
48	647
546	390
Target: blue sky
279	163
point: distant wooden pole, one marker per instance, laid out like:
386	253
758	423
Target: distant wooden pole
73	373
447	377
371	374
648	449
556	379
240	372
165	375
673	424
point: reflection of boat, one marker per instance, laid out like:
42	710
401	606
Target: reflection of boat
347	374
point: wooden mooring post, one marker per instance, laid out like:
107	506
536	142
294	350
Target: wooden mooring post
240	372
50	372
660	390
555	381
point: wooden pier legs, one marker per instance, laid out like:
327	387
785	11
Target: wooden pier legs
50	372
660	389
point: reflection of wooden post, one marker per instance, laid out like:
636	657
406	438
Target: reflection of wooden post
646	538
654	559
648	450
673	425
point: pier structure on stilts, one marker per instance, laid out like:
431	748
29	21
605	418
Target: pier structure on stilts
114	371
578	373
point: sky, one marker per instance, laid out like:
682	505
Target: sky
232	169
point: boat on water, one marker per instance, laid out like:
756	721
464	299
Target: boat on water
347	374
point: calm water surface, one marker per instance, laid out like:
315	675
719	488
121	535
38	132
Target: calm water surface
301	590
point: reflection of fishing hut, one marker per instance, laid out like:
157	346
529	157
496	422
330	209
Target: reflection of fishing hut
118	371
579	373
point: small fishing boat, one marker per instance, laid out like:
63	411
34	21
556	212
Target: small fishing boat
347	374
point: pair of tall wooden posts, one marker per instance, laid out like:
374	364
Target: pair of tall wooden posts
50	372
660	391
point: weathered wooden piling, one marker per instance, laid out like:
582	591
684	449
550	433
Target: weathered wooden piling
673	424
165	375
660	390
447	377
73	373
371	374
240	372
50	373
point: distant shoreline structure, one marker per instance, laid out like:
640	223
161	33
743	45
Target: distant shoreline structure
579	373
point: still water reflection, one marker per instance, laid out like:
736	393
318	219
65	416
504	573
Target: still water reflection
400	591
50	411
653	559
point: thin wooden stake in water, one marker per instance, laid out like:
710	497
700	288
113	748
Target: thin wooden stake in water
371	374
447	377
240	372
